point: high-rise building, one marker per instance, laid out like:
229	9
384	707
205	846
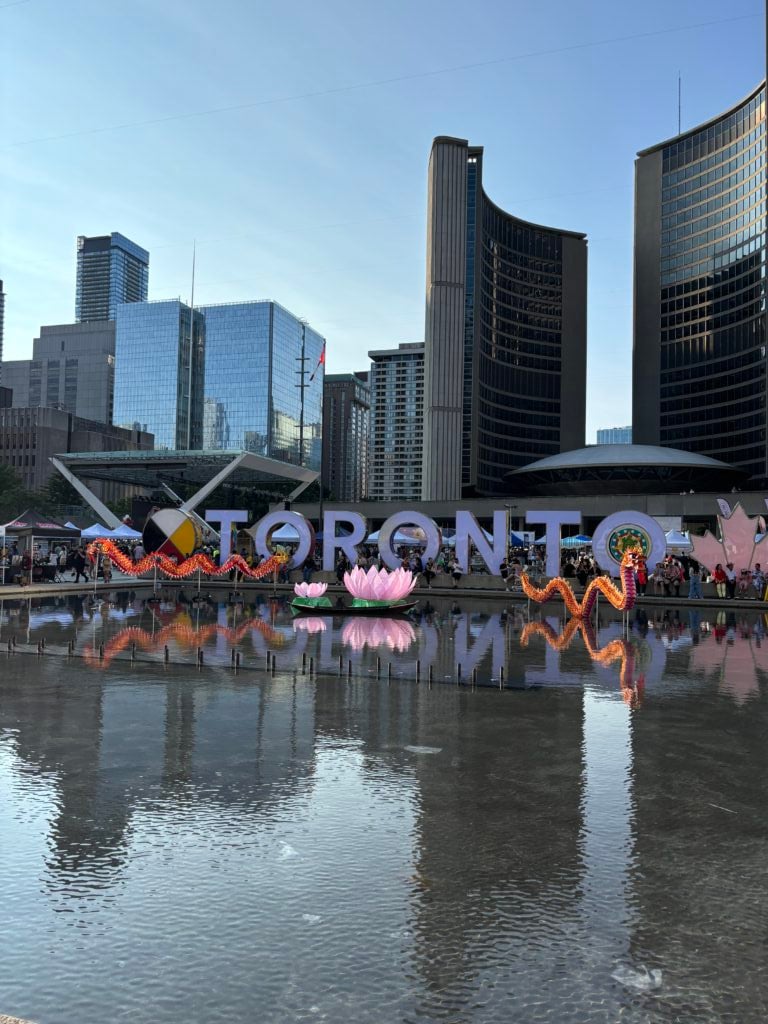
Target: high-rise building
346	420
254	356
72	368
2	326
615	435
6	398
700	373
110	269
505	335
397	423
159	370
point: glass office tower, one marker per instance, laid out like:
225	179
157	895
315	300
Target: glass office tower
699	360
159	370
110	269
253	375
505	335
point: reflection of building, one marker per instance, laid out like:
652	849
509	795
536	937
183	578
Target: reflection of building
29	437
699	371
615	435
159	372
110	269
253	353
72	368
215	427
346	417
396	430
506	333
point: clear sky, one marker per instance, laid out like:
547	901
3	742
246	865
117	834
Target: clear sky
291	141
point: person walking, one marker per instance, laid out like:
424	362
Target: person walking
758	581
504	573
429	571
78	565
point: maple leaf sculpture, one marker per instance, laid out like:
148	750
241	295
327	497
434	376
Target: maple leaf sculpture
737	543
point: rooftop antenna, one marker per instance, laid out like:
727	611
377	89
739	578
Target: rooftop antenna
679	102
191	351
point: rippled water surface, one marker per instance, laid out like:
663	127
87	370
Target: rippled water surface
581	837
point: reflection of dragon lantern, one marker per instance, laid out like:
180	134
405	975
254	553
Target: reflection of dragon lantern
622	599
631	690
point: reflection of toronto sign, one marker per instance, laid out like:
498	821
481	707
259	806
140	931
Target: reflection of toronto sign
615	533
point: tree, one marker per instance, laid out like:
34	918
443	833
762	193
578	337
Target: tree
14	498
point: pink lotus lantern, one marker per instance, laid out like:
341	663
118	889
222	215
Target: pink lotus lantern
310	624
311	595
378	586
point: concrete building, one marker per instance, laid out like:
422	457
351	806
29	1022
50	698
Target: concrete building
29	437
346	422
700	374
397	423
110	269
72	368
2	326
505	333
615	435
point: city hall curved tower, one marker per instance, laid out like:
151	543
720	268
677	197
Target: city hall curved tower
699	356
505	334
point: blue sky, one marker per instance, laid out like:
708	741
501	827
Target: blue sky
308	183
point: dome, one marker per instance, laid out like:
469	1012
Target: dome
623	469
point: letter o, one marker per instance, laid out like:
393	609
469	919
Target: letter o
431	530
262	531
621	530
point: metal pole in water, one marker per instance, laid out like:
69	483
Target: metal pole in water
166	654
474	676
418	671
304	663
349	669
378	668
501	678
430	675
458	674
311	666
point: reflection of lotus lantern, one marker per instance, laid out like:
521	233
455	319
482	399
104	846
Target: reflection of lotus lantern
310	624
379	585
397	634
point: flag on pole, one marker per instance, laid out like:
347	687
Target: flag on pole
320	362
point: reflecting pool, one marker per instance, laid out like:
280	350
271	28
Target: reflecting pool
580	836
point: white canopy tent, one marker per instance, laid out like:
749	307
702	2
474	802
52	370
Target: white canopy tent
676	539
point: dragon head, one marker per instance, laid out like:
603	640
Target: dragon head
633	558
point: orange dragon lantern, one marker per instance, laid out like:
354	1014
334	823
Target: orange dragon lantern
623	598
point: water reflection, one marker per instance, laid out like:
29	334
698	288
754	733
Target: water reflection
358	851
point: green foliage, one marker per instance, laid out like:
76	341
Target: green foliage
14	498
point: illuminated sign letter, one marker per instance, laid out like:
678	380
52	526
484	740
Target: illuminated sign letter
262	534
468	529
347	544
387	532
226	517
553	521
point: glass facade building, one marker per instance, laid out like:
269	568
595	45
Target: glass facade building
699	361
505	338
254	356
615	435
159	372
397	423
111	269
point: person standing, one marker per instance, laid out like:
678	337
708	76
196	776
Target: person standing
719	579
694	580
455	569
730	581
758	581
641	578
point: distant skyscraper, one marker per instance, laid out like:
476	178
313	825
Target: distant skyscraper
505	336
615	435
110	269
397	423
159	372
72	368
2	326
700	373
346	420
253	401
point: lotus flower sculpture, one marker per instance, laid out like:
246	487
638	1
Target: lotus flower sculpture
396	634
310	624
311	595
310	589
378	586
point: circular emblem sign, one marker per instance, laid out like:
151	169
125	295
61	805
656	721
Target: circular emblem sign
623	530
171	532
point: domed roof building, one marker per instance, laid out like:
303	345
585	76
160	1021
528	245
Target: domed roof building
624	469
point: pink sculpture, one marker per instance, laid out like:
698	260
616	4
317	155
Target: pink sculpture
737	542
396	634
310	624
310	589
379	584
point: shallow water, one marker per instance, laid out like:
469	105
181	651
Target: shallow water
581	838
